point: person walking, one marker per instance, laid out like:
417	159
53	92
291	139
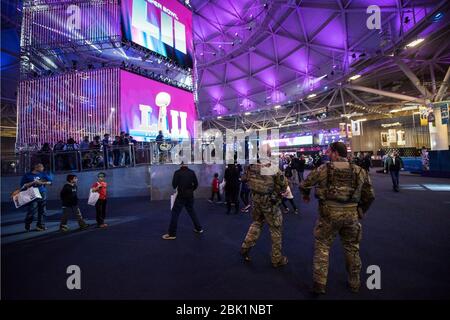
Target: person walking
69	200
215	188
39	179
185	182
267	184
288	196
100	207
231	177
345	193
393	165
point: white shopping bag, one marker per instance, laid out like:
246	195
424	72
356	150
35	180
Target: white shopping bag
222	187
24	197
172	199
93	198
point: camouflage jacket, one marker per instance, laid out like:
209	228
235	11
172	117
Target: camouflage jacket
265	185
356	190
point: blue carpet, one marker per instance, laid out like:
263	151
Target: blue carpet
406	234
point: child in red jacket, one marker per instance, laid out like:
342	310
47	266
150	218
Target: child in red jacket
100	187
215	188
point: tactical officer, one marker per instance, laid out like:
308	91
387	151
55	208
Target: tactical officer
345	193
266	184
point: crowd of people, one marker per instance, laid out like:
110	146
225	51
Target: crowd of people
95	154
344	191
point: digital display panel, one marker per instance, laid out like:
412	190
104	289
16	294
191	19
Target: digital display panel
148	106
289	142
163	26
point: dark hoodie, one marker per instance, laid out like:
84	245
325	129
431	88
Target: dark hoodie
69	197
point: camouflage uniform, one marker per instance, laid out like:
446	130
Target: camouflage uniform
266	194
345	193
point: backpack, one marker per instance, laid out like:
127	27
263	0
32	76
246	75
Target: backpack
342	184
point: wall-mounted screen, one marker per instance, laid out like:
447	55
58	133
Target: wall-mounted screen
163	26
148	106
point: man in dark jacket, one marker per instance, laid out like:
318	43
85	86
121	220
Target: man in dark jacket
69	199
231	177
394	164
185	182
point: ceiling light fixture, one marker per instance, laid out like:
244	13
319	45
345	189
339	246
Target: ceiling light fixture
415	43
312	95
356	76
277	107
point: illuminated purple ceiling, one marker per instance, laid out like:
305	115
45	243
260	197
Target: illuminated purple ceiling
257	54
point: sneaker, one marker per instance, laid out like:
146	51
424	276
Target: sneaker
27	228
245	254
318	288
41	228
104	225
168	237
282	262
353	288
210	201
198	231
296	211
84	226
63	228
286	210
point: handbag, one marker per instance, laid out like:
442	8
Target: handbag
173	197
21	198
93	197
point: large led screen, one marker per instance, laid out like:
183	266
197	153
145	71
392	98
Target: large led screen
148	106
163	26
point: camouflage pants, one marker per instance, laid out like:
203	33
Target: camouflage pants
265	212
333	221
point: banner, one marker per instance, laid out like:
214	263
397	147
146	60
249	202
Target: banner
356	128
401	139
349	130
342	130
423	115
392	136
444	112
384	139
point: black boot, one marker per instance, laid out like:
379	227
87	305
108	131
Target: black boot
245	254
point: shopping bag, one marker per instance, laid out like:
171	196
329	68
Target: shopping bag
93	198
173	197
21	198
222	187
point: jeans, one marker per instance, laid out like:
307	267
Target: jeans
300	176
39	206
75	210
181	202
283	202
232	197
213	193
395	179
100	207
245	197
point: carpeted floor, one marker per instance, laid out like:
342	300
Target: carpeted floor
406	234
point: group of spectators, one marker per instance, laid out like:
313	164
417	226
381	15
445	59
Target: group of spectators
95	154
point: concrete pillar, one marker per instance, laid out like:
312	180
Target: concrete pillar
438	132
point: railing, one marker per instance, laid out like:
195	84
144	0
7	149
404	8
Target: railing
103	158
76	160
114	156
